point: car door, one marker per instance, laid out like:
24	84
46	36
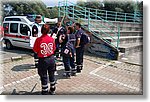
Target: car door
14	35
24	35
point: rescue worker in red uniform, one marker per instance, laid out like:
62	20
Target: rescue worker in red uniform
44	46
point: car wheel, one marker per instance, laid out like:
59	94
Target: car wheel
8	45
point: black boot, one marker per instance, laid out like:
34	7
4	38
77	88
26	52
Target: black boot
44	92
52	90
73	72
78	69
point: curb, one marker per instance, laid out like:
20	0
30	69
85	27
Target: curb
16	58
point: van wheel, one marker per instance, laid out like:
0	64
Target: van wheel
9	45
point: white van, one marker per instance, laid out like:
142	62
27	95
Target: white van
18	32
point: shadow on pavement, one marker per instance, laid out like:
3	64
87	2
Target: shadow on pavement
23	67
23	93
17	50
60	75
27	93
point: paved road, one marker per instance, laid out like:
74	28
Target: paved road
7	55
99	76
134	58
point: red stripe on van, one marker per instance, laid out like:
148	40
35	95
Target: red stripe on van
14	36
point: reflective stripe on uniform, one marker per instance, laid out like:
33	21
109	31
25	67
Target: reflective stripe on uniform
67	71
52	83
73	70
53	86
44	85
36	62
45	89
79	65
36	59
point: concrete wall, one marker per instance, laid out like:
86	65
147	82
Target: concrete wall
101	48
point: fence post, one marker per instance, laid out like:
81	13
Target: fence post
125	17
66	8
96	15
134	16
118	38
73	11
116	16
85	13
106	16
89	19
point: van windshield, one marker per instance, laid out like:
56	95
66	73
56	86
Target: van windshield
30	18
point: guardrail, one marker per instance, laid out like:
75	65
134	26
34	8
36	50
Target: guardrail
135	17
89	18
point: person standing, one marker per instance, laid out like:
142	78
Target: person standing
44	47
36	32
68	53
59	31
79	47
36	28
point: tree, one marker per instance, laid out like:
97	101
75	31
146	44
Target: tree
53	12
24	7
121	6
140	7
91	4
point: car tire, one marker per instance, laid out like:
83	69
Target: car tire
9	45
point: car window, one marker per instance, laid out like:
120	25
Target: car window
14	28
24	29
12	19
31	18
6	27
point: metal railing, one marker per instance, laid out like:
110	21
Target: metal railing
135	17
99	22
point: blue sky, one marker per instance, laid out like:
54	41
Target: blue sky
55	2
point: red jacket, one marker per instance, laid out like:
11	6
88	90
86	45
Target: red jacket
44	46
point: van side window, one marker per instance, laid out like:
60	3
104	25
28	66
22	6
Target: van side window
14	28
24	29
12	19
6	27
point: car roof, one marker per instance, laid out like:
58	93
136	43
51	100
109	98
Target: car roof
23	19
16	16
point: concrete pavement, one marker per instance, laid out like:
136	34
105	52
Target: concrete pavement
99	77
16	53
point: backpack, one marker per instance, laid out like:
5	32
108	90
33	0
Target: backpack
85	39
